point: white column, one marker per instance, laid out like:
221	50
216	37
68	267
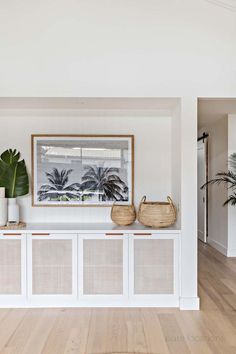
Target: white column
189	298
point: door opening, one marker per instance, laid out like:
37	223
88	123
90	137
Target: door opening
202	158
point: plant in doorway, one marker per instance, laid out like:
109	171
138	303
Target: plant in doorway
228	179
14	177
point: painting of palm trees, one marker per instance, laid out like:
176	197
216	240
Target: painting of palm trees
82	170
105	182
58	188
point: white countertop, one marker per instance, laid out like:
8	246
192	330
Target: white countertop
90	228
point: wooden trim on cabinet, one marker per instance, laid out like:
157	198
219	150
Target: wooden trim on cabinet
142	234
41	234
114	234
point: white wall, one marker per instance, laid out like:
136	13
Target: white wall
119	48
152	152
125	48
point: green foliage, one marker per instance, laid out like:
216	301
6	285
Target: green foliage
10	156
13	174
228	179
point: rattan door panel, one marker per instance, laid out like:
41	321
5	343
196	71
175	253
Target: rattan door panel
102	267
10	267
51	266
153	266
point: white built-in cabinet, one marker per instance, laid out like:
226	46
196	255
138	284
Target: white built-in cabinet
89	269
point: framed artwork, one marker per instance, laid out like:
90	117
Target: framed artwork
82	170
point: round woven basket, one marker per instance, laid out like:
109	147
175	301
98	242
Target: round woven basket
157	214
123	215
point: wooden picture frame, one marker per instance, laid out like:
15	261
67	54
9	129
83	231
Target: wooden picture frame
82	170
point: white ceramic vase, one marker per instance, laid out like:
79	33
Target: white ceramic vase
13	211
3	211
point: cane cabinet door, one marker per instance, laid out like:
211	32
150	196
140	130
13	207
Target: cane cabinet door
153	265
12	265
103	266
52	264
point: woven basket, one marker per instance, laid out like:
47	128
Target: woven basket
123	215
20	225
157	214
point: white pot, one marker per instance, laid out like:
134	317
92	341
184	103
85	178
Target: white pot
13	210
3	211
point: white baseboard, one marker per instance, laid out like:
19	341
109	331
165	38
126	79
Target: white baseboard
189	303
219	247
201	235
222	249
231	253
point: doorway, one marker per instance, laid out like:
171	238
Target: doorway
202	158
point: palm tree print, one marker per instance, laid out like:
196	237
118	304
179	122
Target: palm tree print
58	188
105	182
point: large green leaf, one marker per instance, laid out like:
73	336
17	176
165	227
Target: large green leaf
13	174
10	156
3	167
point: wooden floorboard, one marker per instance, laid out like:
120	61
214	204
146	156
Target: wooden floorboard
212	330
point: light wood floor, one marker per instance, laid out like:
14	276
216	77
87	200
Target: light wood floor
147	331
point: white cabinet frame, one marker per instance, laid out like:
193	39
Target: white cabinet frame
15	300
102	300
159	300
51	299
77	298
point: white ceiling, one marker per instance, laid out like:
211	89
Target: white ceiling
228	4
210	110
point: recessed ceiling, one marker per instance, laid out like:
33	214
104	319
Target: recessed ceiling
227	4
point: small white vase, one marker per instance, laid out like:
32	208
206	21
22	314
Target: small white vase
3	211
13	211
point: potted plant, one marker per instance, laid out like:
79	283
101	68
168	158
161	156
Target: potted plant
14	177
228	179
